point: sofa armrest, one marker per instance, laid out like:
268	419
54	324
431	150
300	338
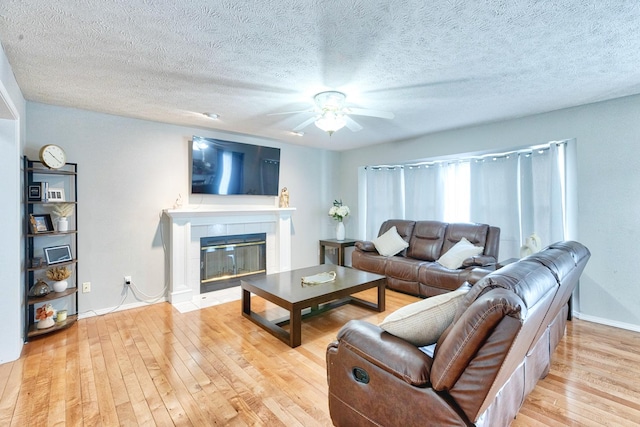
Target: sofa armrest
478	273
479	261
386	351
365	246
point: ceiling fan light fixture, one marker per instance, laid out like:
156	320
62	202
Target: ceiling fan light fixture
331	114
330	121
330	100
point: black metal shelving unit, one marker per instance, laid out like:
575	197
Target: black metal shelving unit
66	178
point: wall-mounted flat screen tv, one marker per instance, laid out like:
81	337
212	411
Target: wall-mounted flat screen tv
227	168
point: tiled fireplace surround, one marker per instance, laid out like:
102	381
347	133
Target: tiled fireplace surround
188	225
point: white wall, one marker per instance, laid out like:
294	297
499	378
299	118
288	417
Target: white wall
608	141
12	107
129	170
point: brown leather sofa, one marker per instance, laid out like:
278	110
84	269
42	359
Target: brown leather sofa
415	270
485	364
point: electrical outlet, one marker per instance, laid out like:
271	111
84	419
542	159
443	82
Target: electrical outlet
86	287
127	280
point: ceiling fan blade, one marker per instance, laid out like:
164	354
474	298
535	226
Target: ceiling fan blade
291	112
304	124
370	113
352	124
420	87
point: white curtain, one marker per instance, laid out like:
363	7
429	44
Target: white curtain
494	199
384	197
457	191
424	191
543	207
522	193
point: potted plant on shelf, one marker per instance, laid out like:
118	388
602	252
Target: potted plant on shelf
59	275
62	211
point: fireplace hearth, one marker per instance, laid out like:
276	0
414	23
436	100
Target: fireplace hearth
225	260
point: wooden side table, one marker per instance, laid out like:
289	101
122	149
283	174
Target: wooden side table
339	244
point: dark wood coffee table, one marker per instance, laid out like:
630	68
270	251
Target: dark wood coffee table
287	291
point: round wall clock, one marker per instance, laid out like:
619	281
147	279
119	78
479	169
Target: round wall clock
53	156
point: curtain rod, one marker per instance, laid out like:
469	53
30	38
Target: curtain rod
495	156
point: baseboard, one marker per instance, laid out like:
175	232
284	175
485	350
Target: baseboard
608	322
101	312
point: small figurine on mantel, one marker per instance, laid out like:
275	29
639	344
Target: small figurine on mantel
178	203
284	198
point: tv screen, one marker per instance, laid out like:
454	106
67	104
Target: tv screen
226	168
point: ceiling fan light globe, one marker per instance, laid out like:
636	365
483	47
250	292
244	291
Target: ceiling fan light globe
330	122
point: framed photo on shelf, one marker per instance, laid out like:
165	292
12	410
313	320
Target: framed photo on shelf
37	262
35	195
41	223
57	254
55	195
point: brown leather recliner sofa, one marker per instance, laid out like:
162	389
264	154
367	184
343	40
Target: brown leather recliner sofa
485	364
415	270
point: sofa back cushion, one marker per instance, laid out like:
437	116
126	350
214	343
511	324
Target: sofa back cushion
427	240
469	361
467	335
566	261
403	227
474	233
530	280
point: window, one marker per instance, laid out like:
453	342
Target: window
521	191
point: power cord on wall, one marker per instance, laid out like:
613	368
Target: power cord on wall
151	299
125	291
134	290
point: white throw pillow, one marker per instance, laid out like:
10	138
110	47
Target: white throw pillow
390	243
456	255
422	322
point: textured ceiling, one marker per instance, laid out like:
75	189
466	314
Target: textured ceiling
436	65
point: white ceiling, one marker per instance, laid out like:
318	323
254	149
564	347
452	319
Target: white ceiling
436	65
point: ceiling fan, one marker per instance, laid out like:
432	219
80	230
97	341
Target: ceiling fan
331	114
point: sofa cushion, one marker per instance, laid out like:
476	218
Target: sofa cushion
475	233
427	240
390	243
455	256
422	322
466	335
435	279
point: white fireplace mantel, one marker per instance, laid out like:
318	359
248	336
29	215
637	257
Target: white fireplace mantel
188	225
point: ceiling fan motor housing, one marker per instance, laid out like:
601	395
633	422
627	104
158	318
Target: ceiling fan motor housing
330	101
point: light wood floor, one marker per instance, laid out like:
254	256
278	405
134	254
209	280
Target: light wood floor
155	366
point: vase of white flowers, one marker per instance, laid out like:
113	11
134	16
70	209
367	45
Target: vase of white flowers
339	212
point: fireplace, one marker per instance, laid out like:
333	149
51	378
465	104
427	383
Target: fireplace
225	260
188	225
